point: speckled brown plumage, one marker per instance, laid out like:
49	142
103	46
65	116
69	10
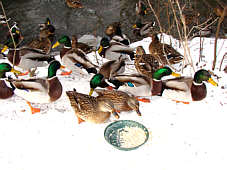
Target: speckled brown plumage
87	107
121	100
74	3
160	51
43	42
145	64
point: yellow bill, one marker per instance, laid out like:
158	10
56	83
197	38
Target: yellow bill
134	26
15	71
91	91
211	81
145	12
175	74
100	49
17	31
56	44
4	49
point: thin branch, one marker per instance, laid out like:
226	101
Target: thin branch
14	44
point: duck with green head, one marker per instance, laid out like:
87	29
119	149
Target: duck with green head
9	42
187	89
144	86
73	57
40	90
5	91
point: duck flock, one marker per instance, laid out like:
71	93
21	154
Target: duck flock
113	89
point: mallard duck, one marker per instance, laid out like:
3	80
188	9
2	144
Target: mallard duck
145	64
43	42
74	57
112	50
142	29
113	31
74	3
164	53
187	89
9	42
141	8
25	57
140	85
91	109
106	72
135	84
121	100
6	91
39	90
45	39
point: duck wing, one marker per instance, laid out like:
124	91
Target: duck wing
180	83
31	84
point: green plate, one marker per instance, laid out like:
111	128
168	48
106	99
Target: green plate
111	133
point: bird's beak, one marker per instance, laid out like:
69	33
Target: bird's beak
62	67
91	91
4	49
116	115
134	26
100	49
15	71
17	31
175	74
211	81
138	112
56	44
145	12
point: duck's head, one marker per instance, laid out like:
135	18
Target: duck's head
140	50
95	81
53	67
113	29
165	71
5	67
134	105
65	40
104	43
9	42
203	75
138	24
107	106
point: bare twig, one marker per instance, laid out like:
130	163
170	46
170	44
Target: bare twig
225	55
216	36
14	44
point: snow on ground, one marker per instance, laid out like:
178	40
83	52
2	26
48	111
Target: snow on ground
181	136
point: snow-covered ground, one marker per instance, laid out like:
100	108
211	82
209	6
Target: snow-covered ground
181	136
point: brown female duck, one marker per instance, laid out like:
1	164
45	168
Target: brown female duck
91	109
121	100
145	64
164	53
74	3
